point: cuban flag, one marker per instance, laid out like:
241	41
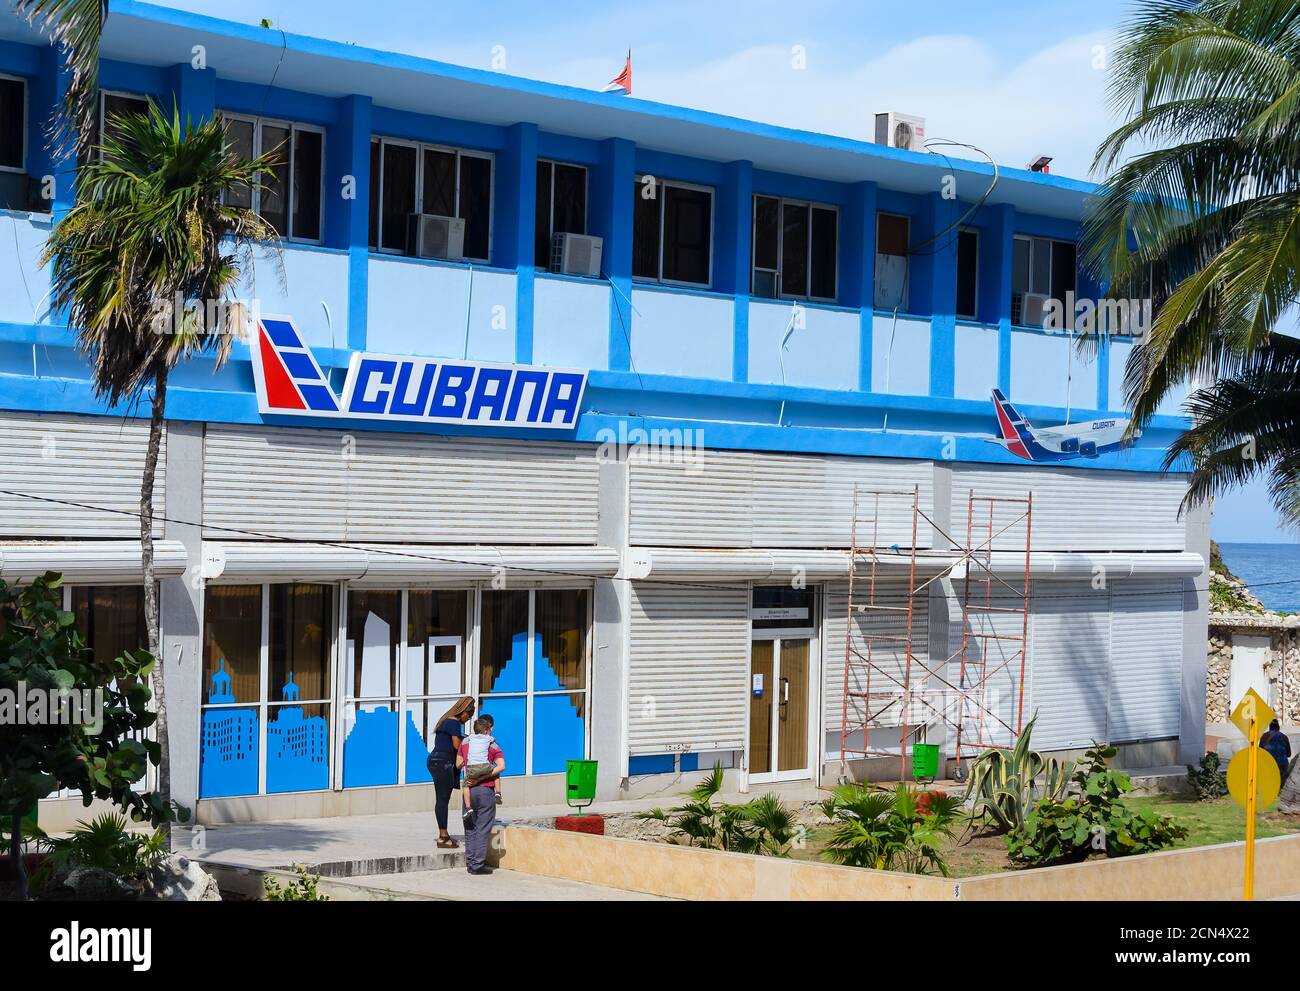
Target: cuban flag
622	83
289	380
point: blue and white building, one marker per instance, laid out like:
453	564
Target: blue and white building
608	495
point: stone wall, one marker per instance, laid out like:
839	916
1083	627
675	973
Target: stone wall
1283	666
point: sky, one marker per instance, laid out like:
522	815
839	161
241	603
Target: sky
1016	79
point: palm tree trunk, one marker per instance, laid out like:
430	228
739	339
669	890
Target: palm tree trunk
151	609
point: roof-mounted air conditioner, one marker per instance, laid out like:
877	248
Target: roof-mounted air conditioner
576	254
905	131
431	236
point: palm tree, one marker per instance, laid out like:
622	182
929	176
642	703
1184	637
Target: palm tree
76	25
152	226
1201	213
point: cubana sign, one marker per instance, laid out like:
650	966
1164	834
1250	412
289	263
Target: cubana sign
290	382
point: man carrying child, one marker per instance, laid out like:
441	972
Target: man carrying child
483	762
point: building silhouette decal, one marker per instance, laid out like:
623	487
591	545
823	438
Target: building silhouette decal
228	758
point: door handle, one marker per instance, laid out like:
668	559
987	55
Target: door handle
785	695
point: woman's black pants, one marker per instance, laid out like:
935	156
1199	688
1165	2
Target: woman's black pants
442	768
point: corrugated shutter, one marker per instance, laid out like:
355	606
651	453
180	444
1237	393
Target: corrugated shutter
990	713
1078	509
888	657
1146	659
688	669
413	488
1069	669
743	499
92	460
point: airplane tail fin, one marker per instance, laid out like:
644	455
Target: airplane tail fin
1017	433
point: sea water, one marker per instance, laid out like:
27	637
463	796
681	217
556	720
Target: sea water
1271	570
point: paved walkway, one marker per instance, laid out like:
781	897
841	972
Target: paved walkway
458	886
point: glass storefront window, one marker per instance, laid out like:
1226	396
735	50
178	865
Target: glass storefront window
111	618
371	723
297	722
232	639
436	626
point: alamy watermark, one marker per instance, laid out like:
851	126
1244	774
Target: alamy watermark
234	317
656	446
1080	315
24	706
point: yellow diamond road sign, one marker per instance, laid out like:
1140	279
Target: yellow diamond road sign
1268	779
1241	716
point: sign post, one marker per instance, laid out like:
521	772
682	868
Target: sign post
1249	782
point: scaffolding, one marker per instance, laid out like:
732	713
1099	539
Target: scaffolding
887	686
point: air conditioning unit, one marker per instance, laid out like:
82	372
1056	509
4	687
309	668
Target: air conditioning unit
431	236
576	254
1033	309
905	131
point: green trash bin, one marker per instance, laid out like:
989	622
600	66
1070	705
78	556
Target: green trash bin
579	784
925	761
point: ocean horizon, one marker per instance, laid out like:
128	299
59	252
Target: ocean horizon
1272	571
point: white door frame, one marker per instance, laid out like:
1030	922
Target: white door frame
813	722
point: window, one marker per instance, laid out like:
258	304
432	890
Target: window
425	179
672	235
113	107
968	252
794	249
232	647
893	237
1042	266
291	196
533	656
561	206
13	124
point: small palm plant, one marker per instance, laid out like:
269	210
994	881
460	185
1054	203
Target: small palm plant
764	826
888	830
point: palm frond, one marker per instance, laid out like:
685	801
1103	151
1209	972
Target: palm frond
77	27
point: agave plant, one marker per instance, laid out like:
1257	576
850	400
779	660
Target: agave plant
763	826
888	830
1005	784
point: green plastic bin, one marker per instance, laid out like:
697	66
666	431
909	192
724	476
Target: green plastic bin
925	761
579	783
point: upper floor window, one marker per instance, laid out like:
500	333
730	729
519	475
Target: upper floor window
1043	269
968	258
672	232
291	193
893	236
795	252
113	107
561	207
411	181
13	124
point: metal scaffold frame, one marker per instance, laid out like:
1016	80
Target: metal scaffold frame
923	684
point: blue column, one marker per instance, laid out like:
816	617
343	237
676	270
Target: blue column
612	192
516	227
732	266
193	93
941	215
347	205
1001	259
46	98
858	269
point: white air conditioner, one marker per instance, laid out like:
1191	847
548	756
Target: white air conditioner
905	131
431	236
1033	309
576	254
891	282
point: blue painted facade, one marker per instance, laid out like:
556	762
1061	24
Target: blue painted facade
837	377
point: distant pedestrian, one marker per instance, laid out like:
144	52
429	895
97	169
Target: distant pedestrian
482	808
1275	742
447	737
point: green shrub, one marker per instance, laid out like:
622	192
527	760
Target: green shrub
303	888
103	843
763	826
1208	781
1095	820
1004	784
888	830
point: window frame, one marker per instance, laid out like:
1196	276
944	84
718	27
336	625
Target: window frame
27	111
662	185
545	263
1051	289
293	127
781	203
905	302
420	148
966	229
101	118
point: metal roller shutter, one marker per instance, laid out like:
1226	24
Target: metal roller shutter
398	487
1069	664
705	504
96	461
994	720
688	669
1146	659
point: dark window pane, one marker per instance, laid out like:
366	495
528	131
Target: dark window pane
645	229
1063	269
794	250
439	183
687	233
571	199
967	265
399	195
891	234
561	619
307	161
825	238
767	218
239	147
1040	272
1019	276
435	638
111	618
376	157
13	101
300	622
275	183
542	235
476	204
232	643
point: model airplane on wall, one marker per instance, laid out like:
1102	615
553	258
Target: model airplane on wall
1066	442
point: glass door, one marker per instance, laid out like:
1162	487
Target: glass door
783	622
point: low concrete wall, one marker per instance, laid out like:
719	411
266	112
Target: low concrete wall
1196	874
